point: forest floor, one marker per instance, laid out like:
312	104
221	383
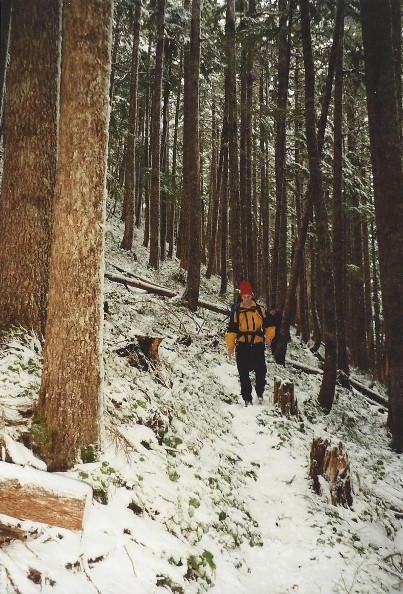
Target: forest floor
193	492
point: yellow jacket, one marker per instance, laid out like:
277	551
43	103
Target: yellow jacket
248	325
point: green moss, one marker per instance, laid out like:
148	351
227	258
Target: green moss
89	453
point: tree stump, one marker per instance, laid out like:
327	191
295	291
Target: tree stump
330	472
283	397
30	494
143	354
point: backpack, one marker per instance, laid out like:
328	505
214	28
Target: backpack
258	310
235	303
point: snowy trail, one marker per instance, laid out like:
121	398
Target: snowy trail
291	559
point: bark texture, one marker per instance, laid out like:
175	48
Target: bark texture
383	97
30	143
193	182
330	472
70	394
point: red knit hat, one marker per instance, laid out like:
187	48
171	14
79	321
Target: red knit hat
245	288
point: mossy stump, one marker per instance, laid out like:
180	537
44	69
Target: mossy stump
284	398
330	472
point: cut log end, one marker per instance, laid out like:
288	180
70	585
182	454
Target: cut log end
30	494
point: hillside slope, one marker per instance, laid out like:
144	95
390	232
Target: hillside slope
193	492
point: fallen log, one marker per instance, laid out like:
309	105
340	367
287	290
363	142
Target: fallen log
30	494
149	288
162	291
356	384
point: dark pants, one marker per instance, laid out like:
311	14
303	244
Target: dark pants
250	357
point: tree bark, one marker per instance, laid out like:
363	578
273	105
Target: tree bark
30	142
339	240
154	260
127	242
192	185
68	414
386	155
296	267
234	198
279	259
327	389
5	37
331	463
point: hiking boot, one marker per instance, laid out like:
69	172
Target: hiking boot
248	402
260	399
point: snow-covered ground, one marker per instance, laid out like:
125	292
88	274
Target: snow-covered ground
192	491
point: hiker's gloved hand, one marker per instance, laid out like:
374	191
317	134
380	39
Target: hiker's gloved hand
230	353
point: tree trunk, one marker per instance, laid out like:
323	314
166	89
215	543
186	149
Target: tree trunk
339	240
164	161
184	220
264	192
234	198
379	351
279	259
68	413
245	153
386	155
127	242
154	260
5	37
296	268
192	185
115	49
215	173
172	231
327	389
30	149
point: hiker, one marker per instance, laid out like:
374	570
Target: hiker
250	331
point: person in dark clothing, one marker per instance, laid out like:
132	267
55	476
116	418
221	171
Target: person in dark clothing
274	318
250	331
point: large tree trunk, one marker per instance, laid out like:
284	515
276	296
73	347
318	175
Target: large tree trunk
68	414
30	141
192	185
154	260
386	156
